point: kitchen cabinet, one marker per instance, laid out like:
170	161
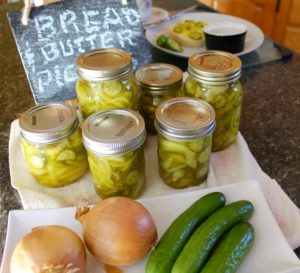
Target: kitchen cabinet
278	19
287	24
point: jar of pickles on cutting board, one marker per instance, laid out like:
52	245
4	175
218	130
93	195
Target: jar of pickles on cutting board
105	81
213	76
52	144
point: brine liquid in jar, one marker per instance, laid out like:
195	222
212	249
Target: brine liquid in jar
105	81
214	77
52	144
115	143
184	138
157	82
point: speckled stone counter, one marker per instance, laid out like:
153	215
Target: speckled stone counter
270	117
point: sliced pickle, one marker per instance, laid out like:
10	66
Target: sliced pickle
195	35
226	99
183	163
178	29
96	96
190	28
36	162
58	164
118	175
112	89
200	24
66	155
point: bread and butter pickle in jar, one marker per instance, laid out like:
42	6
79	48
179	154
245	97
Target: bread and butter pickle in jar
52	144
157	82
105	81
114	140
184	137
214	78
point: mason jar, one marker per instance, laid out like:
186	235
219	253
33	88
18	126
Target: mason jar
157	82
105	81
184	138
114	140
214	77
52	144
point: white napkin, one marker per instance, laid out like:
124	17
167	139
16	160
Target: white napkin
232	165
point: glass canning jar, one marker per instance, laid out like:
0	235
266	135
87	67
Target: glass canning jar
105	81
114	140
52	144
184	137
214	77
157	82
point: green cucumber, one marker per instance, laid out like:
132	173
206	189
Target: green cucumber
161	40
175	237
199	246
232	250
169	43
173	45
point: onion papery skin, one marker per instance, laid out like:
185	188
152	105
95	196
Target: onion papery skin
49	249
118	231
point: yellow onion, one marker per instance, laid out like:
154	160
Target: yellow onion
118	230
49	249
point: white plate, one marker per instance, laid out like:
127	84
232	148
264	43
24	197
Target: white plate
270	253
254	36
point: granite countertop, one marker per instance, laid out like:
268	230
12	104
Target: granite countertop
270	117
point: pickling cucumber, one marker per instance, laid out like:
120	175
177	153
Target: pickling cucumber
232	250
173	45
161	40
169	43
175	237
199	246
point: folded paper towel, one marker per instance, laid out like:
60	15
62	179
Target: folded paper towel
232	165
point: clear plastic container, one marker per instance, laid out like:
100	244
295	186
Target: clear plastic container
184	136
214	78
157	82
52	144
105	81
114	140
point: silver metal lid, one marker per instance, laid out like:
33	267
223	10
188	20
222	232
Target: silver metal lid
48	123
114	131
104	64
159	77
214	67
184	118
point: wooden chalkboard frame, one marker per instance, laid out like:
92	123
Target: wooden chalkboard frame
58	33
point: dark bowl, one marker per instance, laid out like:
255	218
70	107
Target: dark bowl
226	36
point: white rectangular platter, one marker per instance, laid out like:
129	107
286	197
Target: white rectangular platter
270	253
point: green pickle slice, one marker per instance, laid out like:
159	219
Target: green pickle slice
118	175
96	96
57	164
183	163
227	100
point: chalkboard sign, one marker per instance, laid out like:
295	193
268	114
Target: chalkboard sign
58	33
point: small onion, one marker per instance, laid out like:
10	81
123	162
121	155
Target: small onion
49	249
118	231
